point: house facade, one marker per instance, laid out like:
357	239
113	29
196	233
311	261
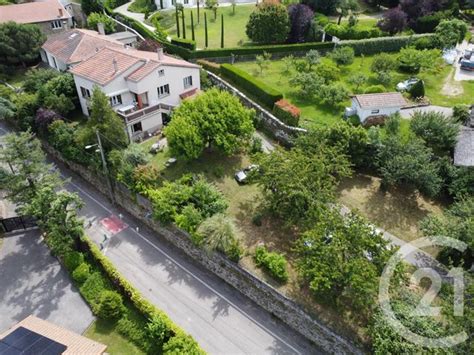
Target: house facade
143	87
49	15
374	106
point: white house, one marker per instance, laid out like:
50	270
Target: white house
168	4
369	106
143	87
62	50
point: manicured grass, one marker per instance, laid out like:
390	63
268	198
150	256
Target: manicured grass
315	113
234	25
104	332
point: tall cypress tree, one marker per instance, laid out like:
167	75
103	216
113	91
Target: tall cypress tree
192	26
199	17
222	30
205	30
177	20
184	25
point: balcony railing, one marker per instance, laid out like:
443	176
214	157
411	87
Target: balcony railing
137	113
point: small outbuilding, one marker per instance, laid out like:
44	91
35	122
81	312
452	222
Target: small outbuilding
374	108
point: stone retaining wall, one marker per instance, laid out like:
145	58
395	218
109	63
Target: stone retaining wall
257	290
279	130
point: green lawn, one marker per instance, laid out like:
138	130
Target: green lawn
104	332
316	113
234	25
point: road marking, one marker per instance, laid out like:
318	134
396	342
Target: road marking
190	273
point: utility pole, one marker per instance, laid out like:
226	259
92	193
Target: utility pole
104	166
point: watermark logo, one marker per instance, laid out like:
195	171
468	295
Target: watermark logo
425	307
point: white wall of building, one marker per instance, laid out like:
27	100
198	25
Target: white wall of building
52	61
367	112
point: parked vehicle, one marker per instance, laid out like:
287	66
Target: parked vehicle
155	148
242	175
407	84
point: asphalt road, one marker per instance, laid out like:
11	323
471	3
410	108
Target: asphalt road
219	317
33	282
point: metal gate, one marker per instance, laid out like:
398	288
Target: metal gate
15	223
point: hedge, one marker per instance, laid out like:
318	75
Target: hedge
210	66
266	94
383	44
185	43
286	112
345	32
148	310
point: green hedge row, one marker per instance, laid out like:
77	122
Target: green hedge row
266	94
185	43
383	44
132	294
345	32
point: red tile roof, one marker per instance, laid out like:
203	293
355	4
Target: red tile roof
33	12
76	45
99	68
388	99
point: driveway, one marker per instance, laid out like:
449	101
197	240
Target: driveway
407	113
33	282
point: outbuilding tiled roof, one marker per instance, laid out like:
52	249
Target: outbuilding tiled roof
75	343
100	67
464	150
388	99
34	12
76	45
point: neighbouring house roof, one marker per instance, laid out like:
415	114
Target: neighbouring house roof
109	63
122	35
388	99
34	12
74	343
76	45
464	150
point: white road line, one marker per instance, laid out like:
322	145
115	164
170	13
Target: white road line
190	273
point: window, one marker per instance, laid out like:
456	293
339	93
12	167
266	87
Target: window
164	90
137	127
161	72
375	111
186	2
115	100
85	93
56	24
188	81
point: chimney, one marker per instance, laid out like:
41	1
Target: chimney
100	28
114	62
159	51
60	13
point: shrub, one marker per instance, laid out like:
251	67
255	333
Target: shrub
265	93
219	233
342	55
383	62
418	90
257	219
288	113
157	332
36	78
273	262
93	287
346	32
182	344
81	273
72	260
133	330
460	113
110	305
185	43
328	71
268	23
256	145
374	89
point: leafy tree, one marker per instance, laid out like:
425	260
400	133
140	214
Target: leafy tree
22	152
20	42
26	107
89	6
333	94
263	61
358	80
450	32
458	223
7	109
383	62
312	58
393	21
412	60
212	5
61	104
327	7
298	184
105	120
219	233
384	78
309	83
44	118
268	23
341	257
35	79
124	162
95	18
300	16
287	64
328	71
213	119
346	7
438	131
63	84
408	163
342	55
